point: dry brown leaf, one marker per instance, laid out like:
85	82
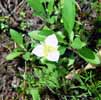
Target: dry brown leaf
71	75
89	66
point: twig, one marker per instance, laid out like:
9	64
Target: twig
78	6
3	9
18	7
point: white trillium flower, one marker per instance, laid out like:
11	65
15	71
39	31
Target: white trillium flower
48	49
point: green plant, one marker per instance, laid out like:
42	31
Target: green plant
59	21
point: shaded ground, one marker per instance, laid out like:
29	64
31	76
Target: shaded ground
9	70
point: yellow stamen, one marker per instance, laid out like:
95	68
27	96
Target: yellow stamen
48	49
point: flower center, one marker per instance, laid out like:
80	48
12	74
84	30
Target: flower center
49	49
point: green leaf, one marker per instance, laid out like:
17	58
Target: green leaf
52	19
13	55
77	43
35	93
68	14
89	56
26	56
39	35
99	43
62	49
51	75
38	72
37	6
60	37
46	32
53	80
50	6
35	35
17	37
51	67
71	60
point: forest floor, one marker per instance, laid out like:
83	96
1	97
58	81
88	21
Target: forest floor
9	69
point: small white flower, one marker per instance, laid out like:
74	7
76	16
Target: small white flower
48	49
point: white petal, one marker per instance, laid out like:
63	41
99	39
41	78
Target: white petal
51	40
53	56
38	50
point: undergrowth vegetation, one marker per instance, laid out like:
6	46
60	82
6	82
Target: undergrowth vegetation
62	58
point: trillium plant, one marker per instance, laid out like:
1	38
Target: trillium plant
59	34
48	49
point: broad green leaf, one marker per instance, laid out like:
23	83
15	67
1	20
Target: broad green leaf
68	14
60	37
77	43
37	6
40	35
50	6
46	32
35	93
71	37
17	37
26	56
89	56
13	55
62	49
35	35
